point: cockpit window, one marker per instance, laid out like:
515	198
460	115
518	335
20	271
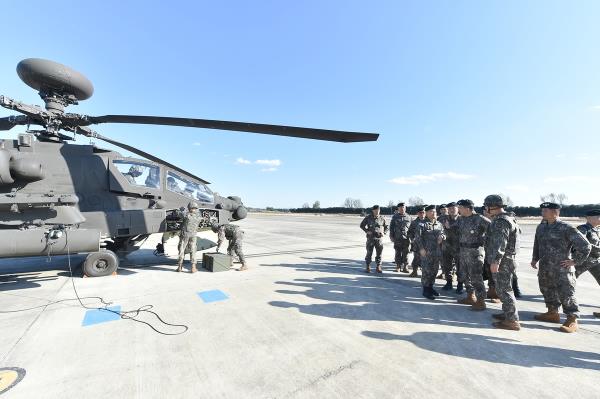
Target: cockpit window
196	191
139	174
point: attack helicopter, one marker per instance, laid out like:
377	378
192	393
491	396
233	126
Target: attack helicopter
59	198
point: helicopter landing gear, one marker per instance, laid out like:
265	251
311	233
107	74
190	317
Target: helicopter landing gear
102	263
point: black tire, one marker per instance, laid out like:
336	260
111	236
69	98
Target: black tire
98	264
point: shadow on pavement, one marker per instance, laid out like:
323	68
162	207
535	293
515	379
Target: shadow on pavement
495	349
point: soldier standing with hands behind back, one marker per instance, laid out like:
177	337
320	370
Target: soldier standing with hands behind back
375	226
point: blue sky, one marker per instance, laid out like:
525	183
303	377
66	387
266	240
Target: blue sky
469	97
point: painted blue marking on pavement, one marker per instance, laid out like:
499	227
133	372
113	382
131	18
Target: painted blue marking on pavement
97	316
212	296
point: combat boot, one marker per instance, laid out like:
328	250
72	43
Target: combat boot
551	316
368	268
515	287
597	314
479	305
404	268
433	291
427	293
448	285
459	288
397	268
194	270
242	268
499	316
414	273
507	325
492	295
378	269
570	326
180	266
468	300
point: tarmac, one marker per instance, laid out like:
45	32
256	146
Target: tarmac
304	322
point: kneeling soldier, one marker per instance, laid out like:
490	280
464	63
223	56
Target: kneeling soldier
235	235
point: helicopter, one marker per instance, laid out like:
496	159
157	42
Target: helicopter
61	198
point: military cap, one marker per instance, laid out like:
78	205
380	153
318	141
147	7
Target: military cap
400	204
593	212
421	208
466	202
493	200
450	204
442	206
549	205
375	207
429	207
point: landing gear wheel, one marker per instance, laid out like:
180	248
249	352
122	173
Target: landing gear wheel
98	264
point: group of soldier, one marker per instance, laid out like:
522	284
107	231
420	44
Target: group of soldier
485	246
191	222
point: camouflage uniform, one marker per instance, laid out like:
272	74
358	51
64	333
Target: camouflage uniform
187	236
399	234
592	263
471	236
412	231
501	248
553	244
376	228
450	248
235	235
426	238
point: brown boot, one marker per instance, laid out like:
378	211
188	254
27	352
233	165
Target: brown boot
507	325
378	269
570	326
194	270
499	316
244	267
493	295
551	316
368	268
468	300
414	273
479	305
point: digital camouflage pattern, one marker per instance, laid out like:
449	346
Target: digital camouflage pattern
501	243
450	249
471	237
375	228
412	231
235	235
555	242
187	236
426	237
592	263
399	227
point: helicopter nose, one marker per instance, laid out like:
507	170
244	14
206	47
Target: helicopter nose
234	205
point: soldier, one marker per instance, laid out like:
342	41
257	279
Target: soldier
487	274
428	240
554	242
134	172
399	236
591	231
187	236
501	250
443	211
450	246
472	228
515	278
375	227
235	235
412	230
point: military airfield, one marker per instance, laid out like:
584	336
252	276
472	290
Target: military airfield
304	321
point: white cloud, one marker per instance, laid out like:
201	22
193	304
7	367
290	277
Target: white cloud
197	143
423	179
595	107
518	187
572	179
269	170
242	161
268	162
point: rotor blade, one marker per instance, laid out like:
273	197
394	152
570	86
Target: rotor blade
145	155
9	122
277	130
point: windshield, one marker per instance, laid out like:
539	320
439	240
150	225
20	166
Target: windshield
188	188
139	174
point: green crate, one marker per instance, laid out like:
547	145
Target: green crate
216	262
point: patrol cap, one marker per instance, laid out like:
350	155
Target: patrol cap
429	207
375	207
400	204
450	204
593	212
466	202
549	205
